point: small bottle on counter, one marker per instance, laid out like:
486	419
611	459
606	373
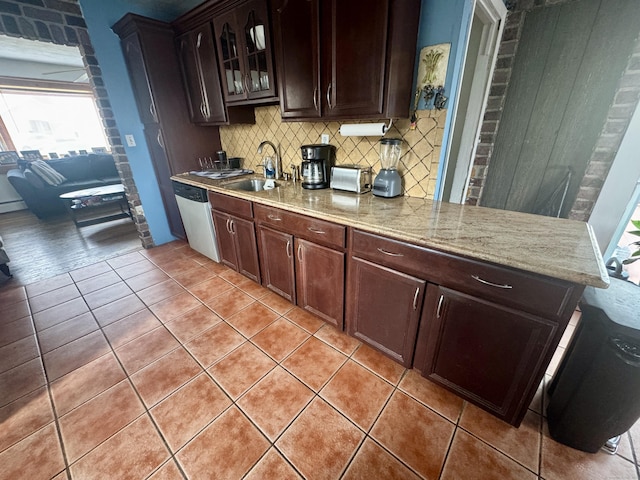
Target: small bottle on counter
269	169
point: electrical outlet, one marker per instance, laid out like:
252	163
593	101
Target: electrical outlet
324	138
131	142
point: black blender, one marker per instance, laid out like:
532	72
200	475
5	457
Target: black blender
388	182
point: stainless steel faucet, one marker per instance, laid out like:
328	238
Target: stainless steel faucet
275	149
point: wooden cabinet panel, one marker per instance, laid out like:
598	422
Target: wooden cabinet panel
486	353
134	58
320	281
383	308
225	239
246	248
276	257
235	206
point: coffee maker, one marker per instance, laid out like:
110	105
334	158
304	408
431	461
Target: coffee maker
317	161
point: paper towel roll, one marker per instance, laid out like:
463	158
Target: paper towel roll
363	130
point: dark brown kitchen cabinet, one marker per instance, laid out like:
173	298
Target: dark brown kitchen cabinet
387	311
483	351
236	234
243	38
278	272
333	61
174	143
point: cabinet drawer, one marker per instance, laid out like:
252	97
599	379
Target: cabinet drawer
313	229
525	291
235	206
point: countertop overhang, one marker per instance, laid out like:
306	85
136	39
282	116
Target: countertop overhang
554	247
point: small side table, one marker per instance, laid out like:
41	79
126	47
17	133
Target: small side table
96	205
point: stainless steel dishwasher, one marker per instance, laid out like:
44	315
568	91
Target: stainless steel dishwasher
195	211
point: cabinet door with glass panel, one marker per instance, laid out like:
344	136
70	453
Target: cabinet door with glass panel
244	51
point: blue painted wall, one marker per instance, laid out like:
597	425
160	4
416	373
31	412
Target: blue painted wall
446	21
99	16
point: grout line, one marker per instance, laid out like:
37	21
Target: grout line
633	454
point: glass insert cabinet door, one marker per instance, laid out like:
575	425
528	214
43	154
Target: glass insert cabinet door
231	61
256	44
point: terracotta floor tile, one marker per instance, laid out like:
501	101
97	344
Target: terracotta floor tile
24	416
192	323
471	459
188	410
314	363
164	376
161	250
434	396
338	340
274	401
53	298
126	259
215	267
89	271
376	362
305	320
179	265
15	311
252	288
159	292
210	288
241	369
134	452
107	295
274	466
232	276
18	352
37	457
67	331
168	471
175	306
230	302
86	382
214	344
21	380
48	285
414	434
9	296
136	268
252	319
372	461
560	462
131	327
75	354
522	444
99	281
16	330
118	309
93	422
53	316
320	442
146	349
357	393
277	303
227	448
146	279
194	275
280	339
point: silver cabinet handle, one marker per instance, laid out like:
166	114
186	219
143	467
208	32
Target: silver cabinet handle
300	252
329	96
160	139
315	230
315	98
233	226
415	298
228	227
199	40
391	254
274	218
152	111
204	115
289	248
491	284
246	82
439	310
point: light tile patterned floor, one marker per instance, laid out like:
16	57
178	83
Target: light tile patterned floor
162	364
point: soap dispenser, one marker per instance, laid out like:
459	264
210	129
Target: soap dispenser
269	169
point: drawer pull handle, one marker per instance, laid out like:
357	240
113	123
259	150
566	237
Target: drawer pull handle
391	254
315	98
315	230
300	253
491	284
440	302
415	298
289	248
274	218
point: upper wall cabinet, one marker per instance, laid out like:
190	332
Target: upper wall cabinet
243	39
342	60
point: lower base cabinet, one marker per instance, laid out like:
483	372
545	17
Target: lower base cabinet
237	243
278	273
485	352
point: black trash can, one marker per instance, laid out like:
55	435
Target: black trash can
595	394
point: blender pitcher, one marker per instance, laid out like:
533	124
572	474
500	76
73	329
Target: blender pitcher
388	182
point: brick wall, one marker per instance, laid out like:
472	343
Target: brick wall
61	22
616	124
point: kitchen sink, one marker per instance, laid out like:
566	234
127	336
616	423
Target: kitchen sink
248	185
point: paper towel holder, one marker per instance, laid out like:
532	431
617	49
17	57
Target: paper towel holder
365	129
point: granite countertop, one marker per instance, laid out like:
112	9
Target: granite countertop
555	247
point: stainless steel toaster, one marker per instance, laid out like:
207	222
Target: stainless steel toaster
351	178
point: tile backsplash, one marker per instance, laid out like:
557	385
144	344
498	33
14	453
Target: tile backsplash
418	165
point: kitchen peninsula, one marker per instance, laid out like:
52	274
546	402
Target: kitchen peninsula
476	299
